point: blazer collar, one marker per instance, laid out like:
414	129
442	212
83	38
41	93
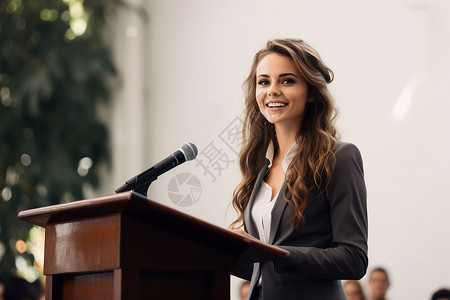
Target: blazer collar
248	220
277	212
287	159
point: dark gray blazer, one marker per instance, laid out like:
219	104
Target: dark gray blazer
331	245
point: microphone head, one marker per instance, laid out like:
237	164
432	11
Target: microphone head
189	150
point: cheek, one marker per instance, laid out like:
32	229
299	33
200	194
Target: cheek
260	96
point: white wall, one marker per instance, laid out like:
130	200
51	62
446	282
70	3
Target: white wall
181	81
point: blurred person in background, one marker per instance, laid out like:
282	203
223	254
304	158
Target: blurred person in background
354	290
442	294
378	284
243	291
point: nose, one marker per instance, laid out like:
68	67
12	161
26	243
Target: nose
273	90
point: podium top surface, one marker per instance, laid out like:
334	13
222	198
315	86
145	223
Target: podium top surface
160	216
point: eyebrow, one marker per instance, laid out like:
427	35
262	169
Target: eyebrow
281	75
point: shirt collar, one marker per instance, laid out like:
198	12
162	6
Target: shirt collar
287	158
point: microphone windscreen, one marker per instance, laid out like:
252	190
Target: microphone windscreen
189	150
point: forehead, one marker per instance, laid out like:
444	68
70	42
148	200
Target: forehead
378	274
274	63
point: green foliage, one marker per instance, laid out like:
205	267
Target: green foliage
54	70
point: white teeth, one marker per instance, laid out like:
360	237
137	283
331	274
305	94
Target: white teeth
276	104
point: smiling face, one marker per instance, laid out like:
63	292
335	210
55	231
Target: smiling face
281	92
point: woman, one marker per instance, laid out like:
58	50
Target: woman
302	189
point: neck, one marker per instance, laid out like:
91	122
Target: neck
285	138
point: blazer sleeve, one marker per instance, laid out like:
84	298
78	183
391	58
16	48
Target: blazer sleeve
245	270
347	257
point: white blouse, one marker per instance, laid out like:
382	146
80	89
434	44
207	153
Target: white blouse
263	205
262	211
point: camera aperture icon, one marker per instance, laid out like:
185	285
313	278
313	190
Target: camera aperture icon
184	189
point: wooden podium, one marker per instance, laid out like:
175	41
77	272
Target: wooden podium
126	246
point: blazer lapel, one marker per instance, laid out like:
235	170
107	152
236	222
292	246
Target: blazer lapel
277	212
248	220
255	278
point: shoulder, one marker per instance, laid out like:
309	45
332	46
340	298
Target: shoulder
347	154
346	149
346	146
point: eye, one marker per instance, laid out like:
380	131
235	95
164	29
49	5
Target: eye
263	82
288	81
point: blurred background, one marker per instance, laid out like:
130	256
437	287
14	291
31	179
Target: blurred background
94	92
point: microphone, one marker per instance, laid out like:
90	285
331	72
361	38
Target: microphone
141	182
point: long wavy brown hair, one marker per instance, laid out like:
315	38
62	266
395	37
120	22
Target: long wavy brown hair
317	137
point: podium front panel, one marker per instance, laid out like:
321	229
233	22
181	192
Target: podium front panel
88	244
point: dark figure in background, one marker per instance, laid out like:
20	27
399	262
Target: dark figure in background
378	284
442	294
17	288
2	290
302	189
